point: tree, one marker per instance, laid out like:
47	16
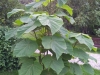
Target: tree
44	31
86	15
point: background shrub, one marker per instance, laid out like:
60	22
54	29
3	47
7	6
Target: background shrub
7	61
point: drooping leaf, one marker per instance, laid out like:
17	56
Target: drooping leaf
25	48
92	58
70	19
57	44
68	9
84	40
11	33
27	28
61	2
76	69
60	13
22	29
14	11
53	63
29	67
80	54
55	23
88	69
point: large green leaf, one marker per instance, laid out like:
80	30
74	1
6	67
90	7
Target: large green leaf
14	11
29	67
28	28
56	43
56	65
11	33
70	19
55	23
88	69
25	48
22	29
61	2
80	54
76	69
83	39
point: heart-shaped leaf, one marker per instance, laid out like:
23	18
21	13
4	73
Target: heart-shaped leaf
29	67
25	48
55	23
57	44
50	62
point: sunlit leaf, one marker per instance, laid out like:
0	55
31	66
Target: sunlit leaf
18	22
47	2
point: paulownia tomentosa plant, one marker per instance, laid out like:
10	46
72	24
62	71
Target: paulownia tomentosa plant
42	33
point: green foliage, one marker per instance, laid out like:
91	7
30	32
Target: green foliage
5	7
7	61
49	36
87	15
9	73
